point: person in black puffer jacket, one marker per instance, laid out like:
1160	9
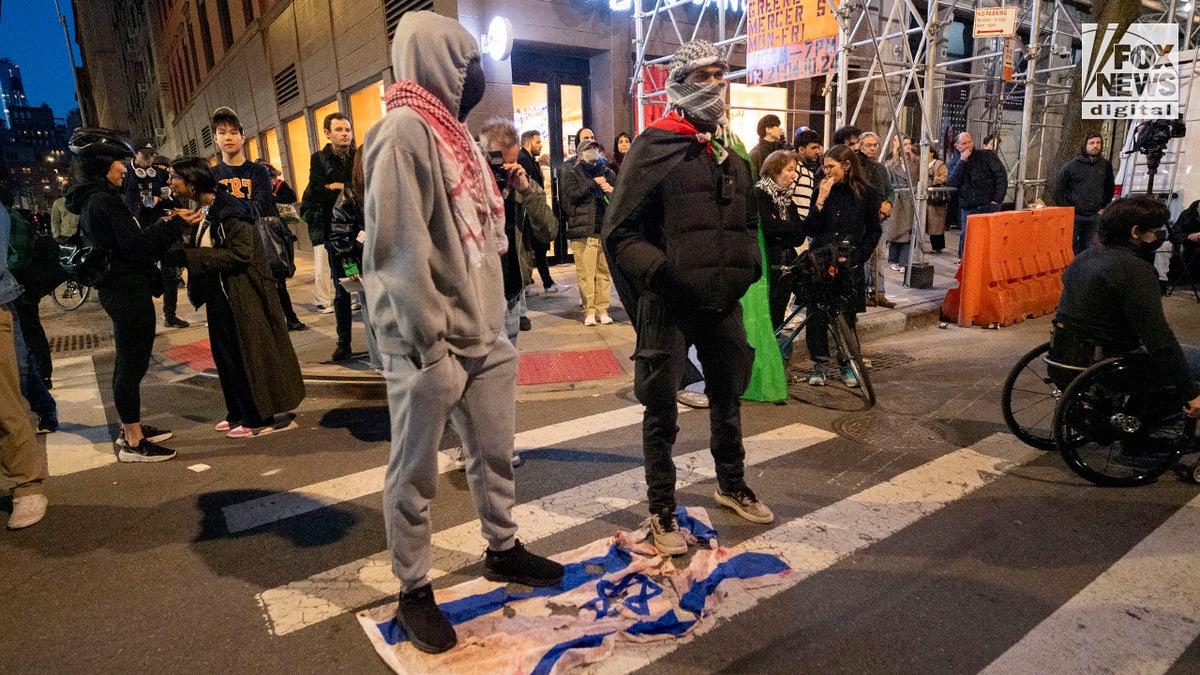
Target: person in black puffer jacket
845	210
587	186
127	291
682	229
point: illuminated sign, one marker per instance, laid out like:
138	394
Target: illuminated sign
790	40
730	5
497	42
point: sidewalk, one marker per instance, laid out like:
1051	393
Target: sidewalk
560	357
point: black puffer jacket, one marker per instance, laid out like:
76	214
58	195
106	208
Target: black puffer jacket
105	221
582	200
683	226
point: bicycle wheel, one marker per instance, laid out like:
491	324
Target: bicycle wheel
70	295
1029	398
847	345
1116	428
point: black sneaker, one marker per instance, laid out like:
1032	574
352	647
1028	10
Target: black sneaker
175	322
295	324
525	324
519	566
341	352
48	423
156	435
146	451
425	624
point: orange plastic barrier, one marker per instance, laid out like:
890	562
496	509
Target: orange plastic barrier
1012	267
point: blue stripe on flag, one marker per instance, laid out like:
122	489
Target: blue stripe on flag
742	566
552	656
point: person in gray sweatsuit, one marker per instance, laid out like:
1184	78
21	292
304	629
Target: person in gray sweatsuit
433	279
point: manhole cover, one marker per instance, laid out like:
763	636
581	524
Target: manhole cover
885	361
899	432
77	343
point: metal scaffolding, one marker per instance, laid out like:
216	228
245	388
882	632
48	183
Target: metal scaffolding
877	58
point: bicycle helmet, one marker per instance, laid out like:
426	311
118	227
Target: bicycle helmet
95	142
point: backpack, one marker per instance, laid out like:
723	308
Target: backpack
277	246
87	265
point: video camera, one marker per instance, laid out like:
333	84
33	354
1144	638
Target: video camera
496	161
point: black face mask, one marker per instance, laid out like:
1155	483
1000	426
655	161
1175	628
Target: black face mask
472	89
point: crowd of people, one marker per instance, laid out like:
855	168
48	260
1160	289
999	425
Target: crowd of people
435	233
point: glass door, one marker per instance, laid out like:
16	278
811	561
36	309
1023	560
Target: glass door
551	94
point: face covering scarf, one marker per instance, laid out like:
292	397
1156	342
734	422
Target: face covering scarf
474	199
704	103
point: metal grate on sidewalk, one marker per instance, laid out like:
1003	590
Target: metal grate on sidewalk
77	343
550	367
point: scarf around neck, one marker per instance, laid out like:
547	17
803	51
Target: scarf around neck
475	200
781	197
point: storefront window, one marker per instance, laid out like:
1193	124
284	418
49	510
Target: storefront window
531	108
319	120
748	104
271	145
297	131
366	108
572	115
252	149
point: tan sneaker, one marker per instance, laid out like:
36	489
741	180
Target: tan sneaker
27	511
667	537
746	505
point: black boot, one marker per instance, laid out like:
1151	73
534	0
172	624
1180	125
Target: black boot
341	352
517	565
425	624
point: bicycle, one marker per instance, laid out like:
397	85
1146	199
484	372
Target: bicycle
70	294
823	279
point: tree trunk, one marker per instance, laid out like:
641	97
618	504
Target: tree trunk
1075	129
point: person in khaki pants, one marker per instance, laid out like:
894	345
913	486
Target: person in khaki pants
22	458
586	187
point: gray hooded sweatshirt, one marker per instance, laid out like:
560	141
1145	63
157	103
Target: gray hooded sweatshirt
424	299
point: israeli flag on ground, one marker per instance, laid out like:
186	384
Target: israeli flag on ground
616	592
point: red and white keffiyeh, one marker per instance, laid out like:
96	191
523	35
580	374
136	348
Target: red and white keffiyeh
475	200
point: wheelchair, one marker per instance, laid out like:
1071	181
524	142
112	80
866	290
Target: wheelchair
1113	424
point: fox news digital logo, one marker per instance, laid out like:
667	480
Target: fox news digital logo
1131	72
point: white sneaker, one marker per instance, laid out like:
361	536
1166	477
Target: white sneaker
324	309
27	511
555	289
590	320
605	319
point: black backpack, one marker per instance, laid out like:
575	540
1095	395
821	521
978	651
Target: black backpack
277	244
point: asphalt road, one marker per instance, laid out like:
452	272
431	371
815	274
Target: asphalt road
251	556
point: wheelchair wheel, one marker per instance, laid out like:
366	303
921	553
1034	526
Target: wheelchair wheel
70	295
1029	398
1116	428
847	345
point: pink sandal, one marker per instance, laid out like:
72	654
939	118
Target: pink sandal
222	426
240	432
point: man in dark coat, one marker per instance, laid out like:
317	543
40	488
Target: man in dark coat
1086	183
682	228
531	148
770	139
981	179
328	174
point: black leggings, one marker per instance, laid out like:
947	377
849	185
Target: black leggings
131	307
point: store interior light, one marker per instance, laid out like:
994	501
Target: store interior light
620	5
497	42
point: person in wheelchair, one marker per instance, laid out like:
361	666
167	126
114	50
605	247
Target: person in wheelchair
1111	300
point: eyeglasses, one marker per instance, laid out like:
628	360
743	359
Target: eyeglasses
174	176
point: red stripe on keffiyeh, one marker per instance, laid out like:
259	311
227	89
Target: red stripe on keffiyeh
474	198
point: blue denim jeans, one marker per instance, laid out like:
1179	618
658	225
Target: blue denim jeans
986	208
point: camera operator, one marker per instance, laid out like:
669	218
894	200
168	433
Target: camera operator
1110	295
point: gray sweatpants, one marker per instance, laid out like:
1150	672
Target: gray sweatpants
478	396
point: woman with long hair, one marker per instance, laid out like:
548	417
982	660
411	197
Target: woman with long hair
935	214
128	288
845	210
620	147
257	366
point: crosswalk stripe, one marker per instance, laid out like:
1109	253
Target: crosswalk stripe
271	508
821	539
361	582
1138	616
83	441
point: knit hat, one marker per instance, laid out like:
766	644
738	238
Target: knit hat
693	55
